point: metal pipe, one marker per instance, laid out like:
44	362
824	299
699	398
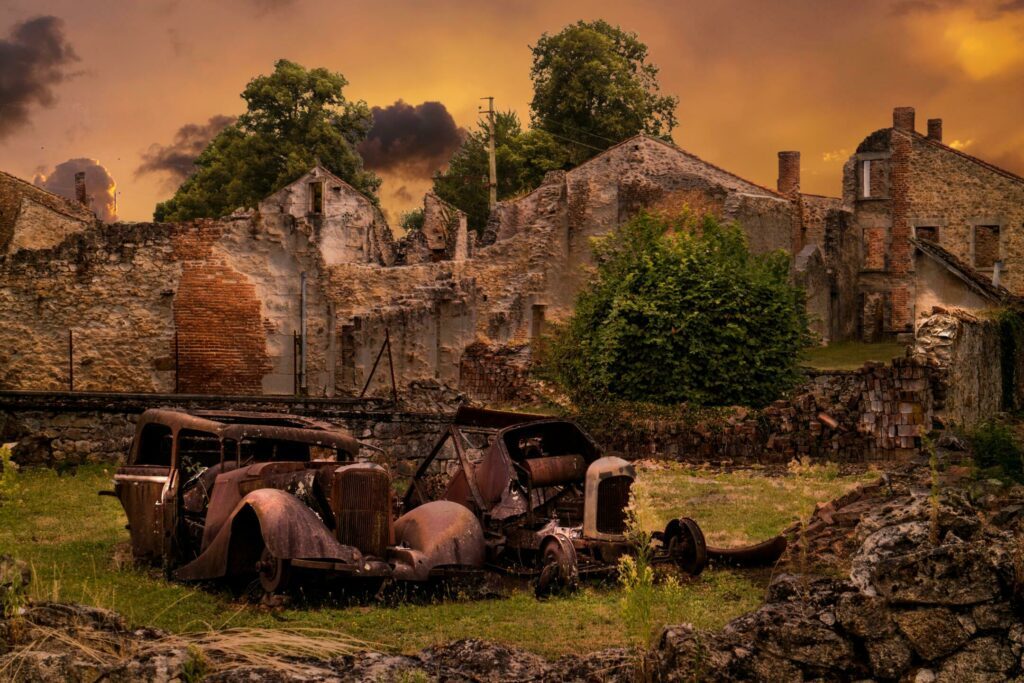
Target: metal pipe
302	332
71	360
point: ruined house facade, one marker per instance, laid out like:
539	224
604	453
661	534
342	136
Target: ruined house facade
905	189
300	294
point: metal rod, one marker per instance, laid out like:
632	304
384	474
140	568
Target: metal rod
373	370
391	365
302	332
295	363
71	360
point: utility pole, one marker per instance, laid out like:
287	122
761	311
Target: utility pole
493	180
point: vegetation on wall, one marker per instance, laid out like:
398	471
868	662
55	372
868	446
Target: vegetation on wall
679	310
996	451
295	117
1011	344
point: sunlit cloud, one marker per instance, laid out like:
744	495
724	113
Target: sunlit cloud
836	155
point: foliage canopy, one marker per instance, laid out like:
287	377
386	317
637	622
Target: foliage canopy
593	87
522	159
679	310
294	118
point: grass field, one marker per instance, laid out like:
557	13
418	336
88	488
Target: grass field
76	543
851	355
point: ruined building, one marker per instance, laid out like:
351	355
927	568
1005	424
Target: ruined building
299	295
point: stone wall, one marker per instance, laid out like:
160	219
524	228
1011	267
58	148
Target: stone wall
875	413
65	430
966	354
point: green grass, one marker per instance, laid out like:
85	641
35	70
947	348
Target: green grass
75	542
851	355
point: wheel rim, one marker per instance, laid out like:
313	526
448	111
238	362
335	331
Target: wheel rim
558	571
687	547
273	572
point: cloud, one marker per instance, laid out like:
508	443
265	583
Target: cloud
177	159
836	155
34	58
411	141
99	185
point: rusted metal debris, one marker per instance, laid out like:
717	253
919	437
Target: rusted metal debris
257	496
268	496
552	505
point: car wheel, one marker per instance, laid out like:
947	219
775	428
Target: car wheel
686	546
558	570
273	572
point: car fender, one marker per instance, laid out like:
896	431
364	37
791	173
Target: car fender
274	519
437	534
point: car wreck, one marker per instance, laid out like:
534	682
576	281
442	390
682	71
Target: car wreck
261	496
551	504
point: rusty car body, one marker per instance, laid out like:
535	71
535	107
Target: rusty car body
551	503
248	496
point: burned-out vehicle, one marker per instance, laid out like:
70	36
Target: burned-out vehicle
247	496
551	504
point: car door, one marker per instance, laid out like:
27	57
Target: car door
142	487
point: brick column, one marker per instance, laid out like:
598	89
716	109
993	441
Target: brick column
900	249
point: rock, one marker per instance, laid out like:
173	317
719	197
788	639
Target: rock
951	575
933	633
985	660
997	615
889	657
15	576
864	616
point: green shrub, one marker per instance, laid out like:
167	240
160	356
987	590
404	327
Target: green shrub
996	450
679	310
8	475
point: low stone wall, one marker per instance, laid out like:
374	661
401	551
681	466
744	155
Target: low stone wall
967	354
67	429
875	413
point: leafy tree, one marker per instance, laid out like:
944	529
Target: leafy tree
412	220
593	87
679	310
522	159
294	117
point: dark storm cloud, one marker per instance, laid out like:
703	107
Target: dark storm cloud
33	60
99	185
176	159
410	140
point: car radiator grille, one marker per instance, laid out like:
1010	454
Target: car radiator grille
363	504
612	501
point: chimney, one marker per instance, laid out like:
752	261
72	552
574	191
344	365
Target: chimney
80	194
903	119
789	173
935	129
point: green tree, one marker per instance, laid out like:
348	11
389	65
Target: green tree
522	159
593	87
294	117
679	310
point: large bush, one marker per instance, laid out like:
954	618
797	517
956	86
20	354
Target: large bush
680	310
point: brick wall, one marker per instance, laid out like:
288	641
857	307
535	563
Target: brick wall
496	374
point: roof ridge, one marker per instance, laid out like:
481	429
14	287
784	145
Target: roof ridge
970	275
676	148
970	157
60	198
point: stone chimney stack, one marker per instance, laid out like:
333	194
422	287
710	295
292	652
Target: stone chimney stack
903	119
789	173
80	193
935	129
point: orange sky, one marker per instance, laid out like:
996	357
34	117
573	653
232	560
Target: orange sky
753	76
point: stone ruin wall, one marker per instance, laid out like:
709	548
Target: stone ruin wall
230	289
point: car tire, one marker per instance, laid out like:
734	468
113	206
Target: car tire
686	545
273	572
559	572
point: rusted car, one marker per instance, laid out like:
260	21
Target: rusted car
551	503
247	496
